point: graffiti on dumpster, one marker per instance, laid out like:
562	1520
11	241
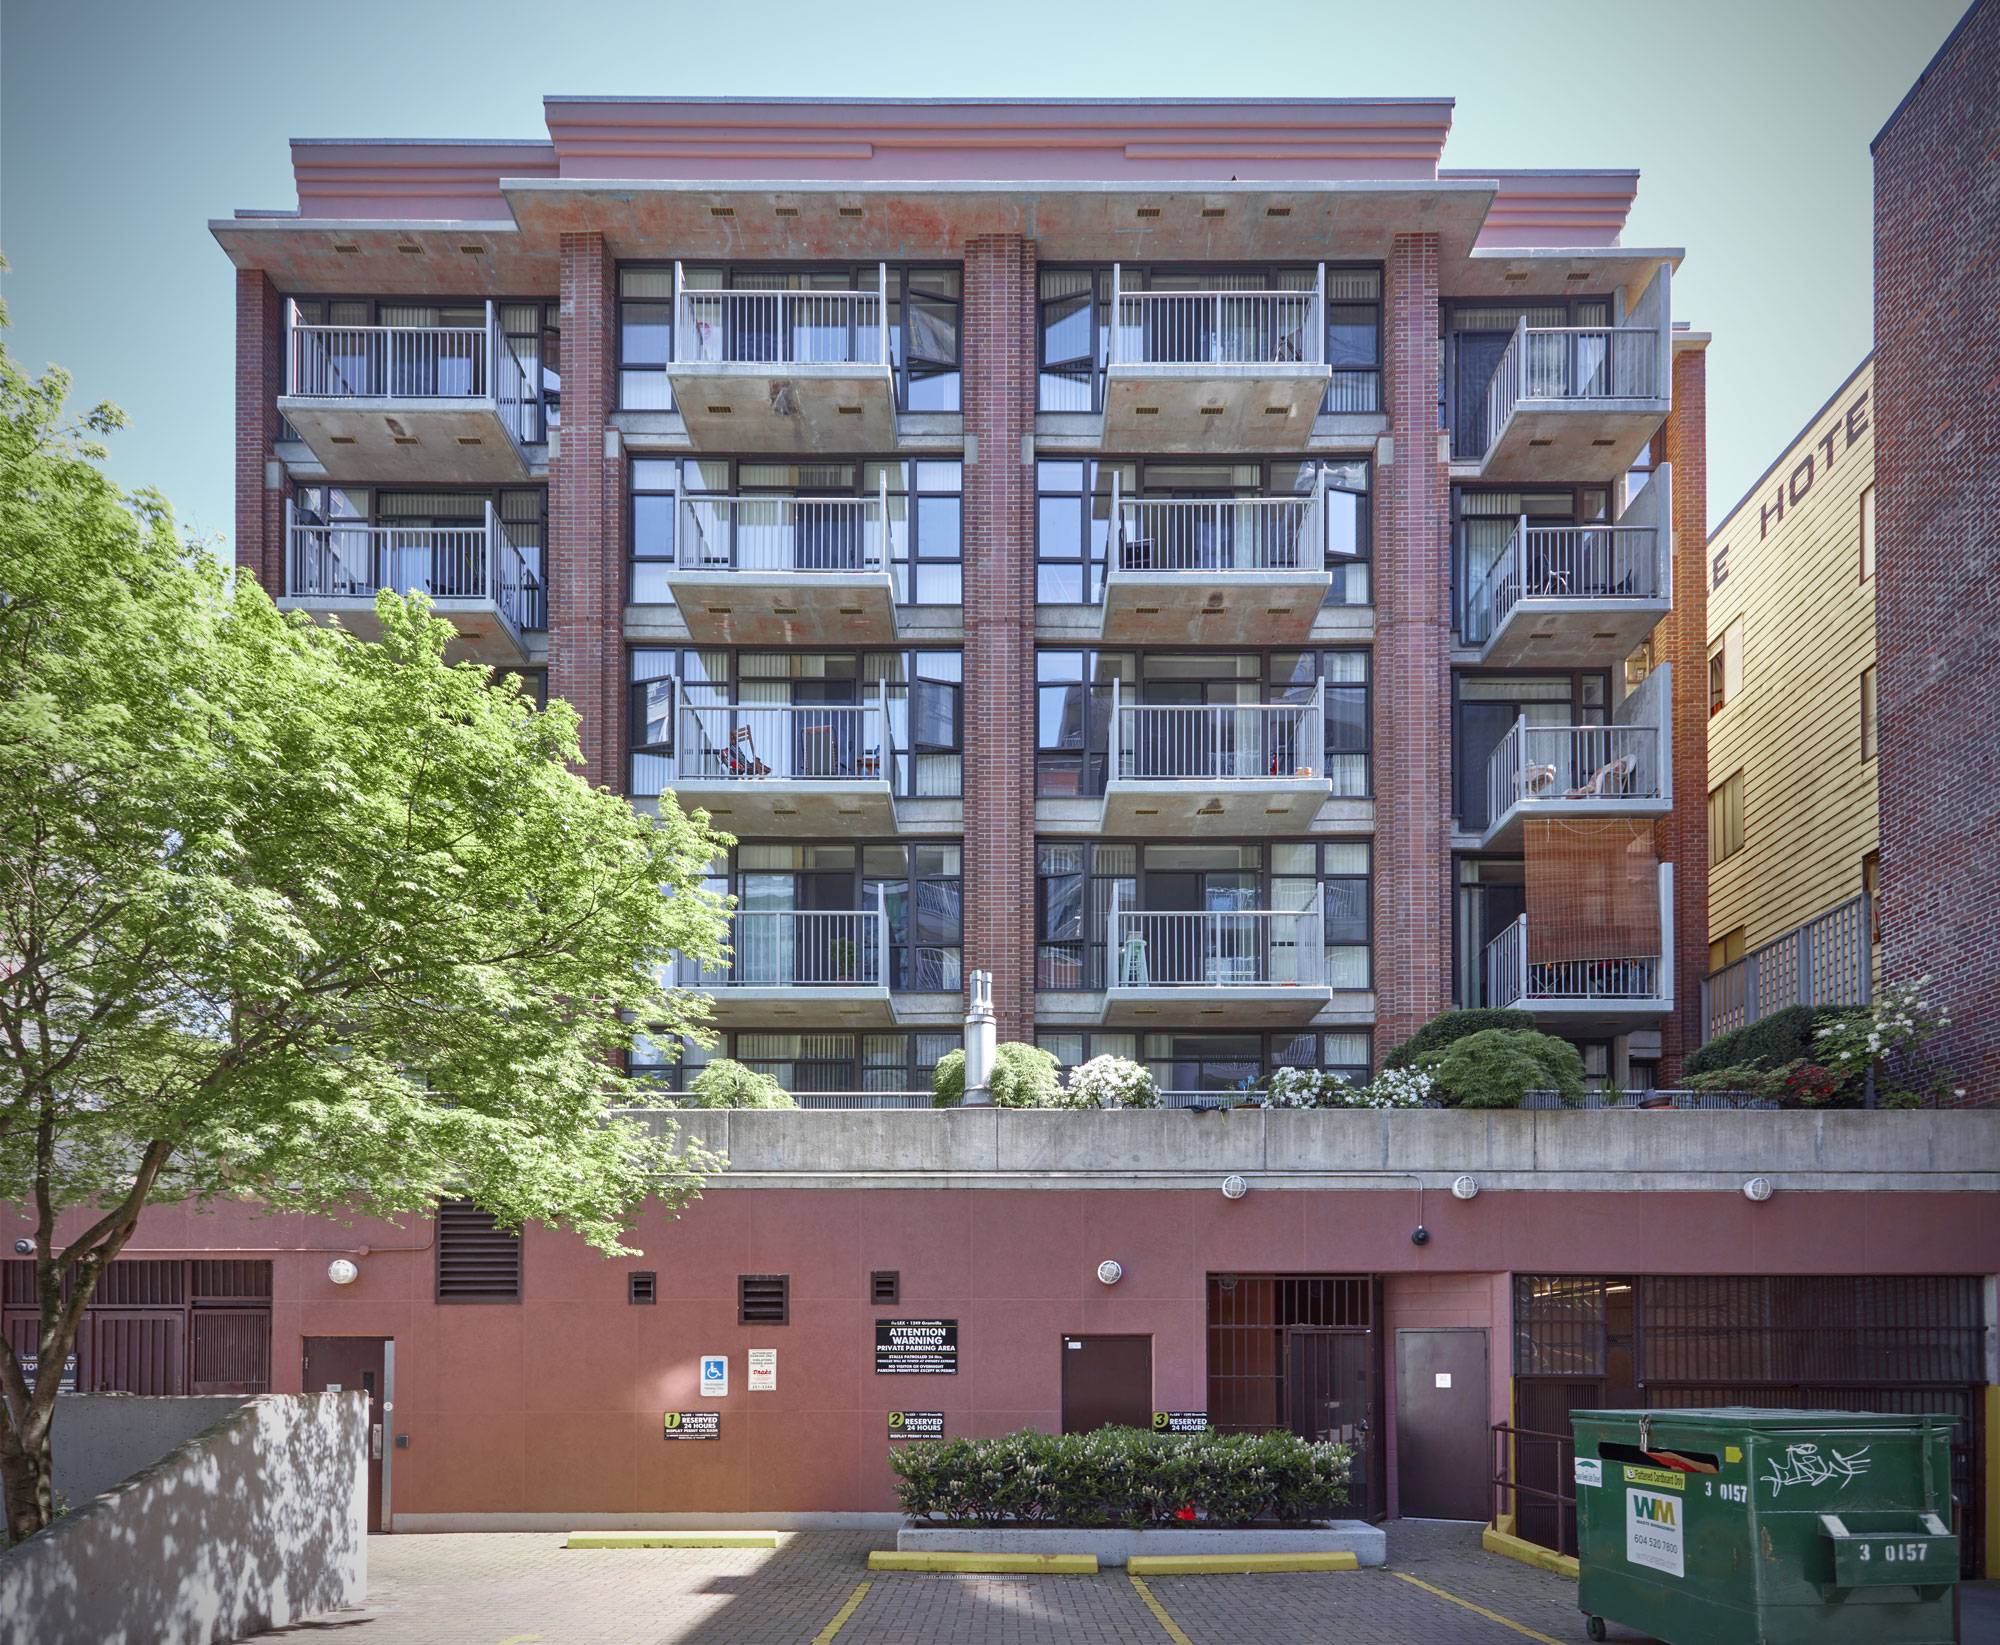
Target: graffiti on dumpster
1807	1465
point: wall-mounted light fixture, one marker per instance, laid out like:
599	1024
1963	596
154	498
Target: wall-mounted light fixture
1110	1271
1464	1187
1757	1189
342	1272
1234	1187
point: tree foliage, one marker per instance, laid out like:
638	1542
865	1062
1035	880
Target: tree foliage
329	924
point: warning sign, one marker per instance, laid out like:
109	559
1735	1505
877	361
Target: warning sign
1653	1531
916	1425
1180	1422
692	1425
916	1347
763	1370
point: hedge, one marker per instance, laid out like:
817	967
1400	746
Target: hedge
1770	1042
1024	1076
1448	1026
1498	1067
1121	1476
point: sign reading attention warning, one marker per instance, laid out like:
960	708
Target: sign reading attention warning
916	1347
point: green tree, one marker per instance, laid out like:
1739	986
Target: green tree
328	924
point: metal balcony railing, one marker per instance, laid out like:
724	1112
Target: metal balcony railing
1511	976
799	948
786	742
1607	765
1233	330
1596	564
449	563
1220	534
449	363
790	328
1219	742
1826	961
1216	948
817	536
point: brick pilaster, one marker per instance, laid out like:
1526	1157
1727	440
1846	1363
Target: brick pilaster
586	516
1682	640
260	379
1412	675
1000	624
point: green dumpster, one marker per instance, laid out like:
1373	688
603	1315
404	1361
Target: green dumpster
1714	1527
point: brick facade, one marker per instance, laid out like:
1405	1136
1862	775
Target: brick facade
1682	641
260	379
1937	428
586	515
1412	677
999	608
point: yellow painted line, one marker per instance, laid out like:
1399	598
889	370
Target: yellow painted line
841	1616
1237	1564
987	1564
520	1639
1509	1546
1477	1610
1159	1611
672	1539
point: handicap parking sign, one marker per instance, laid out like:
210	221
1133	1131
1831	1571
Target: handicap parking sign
714	1374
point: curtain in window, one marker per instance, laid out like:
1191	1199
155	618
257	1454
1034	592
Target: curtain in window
1592	890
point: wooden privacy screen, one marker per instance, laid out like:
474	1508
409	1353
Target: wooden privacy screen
1593	889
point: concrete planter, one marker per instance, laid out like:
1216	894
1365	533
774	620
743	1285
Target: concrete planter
1114	1547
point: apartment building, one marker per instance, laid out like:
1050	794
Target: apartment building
1228	576
1794	887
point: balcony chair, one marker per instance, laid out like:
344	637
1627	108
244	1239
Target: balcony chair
1608	781
1536	782
743	761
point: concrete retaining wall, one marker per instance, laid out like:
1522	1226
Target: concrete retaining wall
256	1522
100	1439
1113	1547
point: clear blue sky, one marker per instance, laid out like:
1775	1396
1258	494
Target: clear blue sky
126	124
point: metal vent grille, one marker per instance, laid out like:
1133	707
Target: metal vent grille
763	1299
476	1262
642	1286
885	1285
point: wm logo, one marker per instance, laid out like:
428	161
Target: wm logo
1655	1510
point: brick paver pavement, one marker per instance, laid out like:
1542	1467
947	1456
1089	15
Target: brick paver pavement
501	1589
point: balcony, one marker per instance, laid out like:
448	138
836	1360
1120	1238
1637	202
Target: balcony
1576	404
409	404
771	571
1585	995
1245	965
817	769
1215	570
1577	596
1624	769
803	372
1215	769
785	965
476	579
1214	370
1828	960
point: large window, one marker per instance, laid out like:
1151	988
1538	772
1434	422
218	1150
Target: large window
924	690
1484	524
1725	818
925	324
924	499
1076	880
806	1064
1074	326
1197	1069
1486	706
1477	334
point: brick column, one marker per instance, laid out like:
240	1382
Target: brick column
260	379
1412	674
1682	640
586	516
1000	624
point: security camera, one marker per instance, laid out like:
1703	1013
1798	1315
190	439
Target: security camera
1421	1235
24	1248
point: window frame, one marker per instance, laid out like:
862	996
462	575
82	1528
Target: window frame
1865	527
1870	708
1721	808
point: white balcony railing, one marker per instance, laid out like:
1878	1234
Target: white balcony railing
1216	948
448	363
789	328
1828	960
1511	976
800	948
345	561
1230	329
786	742
816	536
1220	534
1583	764
1593	564
1219	742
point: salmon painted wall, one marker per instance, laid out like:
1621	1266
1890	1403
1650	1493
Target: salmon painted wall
553	1405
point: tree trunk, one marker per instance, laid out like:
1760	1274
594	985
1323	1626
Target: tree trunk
28	1478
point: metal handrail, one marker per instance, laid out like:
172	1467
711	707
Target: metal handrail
1221	328
786	742
1572	364
343	560
1607	765
1220	534
732	326
1506	1483
1210	948
1220	742
800	948
384	362
815	536
1511	976
1597	564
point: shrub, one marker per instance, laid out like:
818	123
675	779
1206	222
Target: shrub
1024	1076
1112	1082
726	1084
1310	1088
1121	1476
1450	1026
1739	1077
1771	1042
1497	1068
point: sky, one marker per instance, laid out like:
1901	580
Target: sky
126	125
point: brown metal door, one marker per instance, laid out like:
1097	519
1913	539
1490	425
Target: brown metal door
346	1363
1442	1451
1106	1382
1330	1386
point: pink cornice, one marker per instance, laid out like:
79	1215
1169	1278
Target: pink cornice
1555	208
414	180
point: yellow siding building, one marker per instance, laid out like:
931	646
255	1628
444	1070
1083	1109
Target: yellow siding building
1791	646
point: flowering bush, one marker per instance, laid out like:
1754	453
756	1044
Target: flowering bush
1310	1088
1112	1082
1298	1088
1883	1037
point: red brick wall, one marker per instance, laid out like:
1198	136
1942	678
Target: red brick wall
1000	624
587	515
1937	513
1682	640
260	378
1412	676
